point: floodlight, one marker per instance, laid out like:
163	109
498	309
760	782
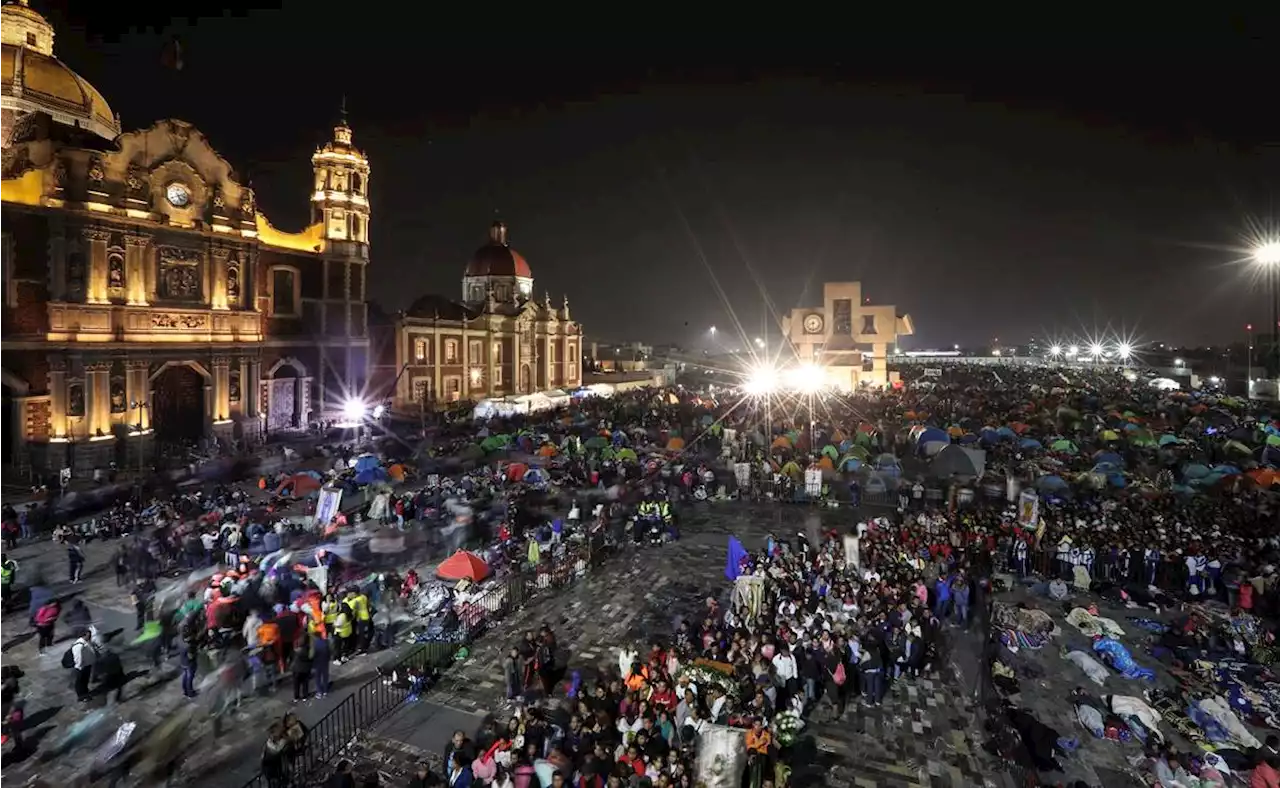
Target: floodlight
354	410
1055	350
379	411
1125	350
806	378
761	381
1096	350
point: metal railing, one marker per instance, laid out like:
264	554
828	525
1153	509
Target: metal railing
377	698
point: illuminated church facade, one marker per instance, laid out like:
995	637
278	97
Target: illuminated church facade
147	300
497	340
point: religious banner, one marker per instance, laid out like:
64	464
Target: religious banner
853	552
320	576
813	482
327	506
722	757
1028	509
742	472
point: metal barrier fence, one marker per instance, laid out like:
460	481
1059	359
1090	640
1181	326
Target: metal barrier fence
377	698
1165	575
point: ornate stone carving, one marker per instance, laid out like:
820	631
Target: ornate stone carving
119	400
247	202
75	399
137	240
233	386
136	182
115	271
233	283
16	161
96	234
218	201
98	366
179	136
180	276
137	363
97	173
59	172
188	322
221	361
220	253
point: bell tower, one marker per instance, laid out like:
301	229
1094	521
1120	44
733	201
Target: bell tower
341	196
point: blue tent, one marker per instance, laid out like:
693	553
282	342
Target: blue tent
367	462
371	475
1108	458
932	434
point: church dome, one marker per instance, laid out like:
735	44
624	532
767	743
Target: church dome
36	81
497	258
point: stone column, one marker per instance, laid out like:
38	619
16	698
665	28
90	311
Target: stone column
302	400
96	287
138	390
251	388
221	388
97	397
207	420
57	247
218	287
58	397
437	359
135	269
490	387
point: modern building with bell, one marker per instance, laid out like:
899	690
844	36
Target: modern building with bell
846	336
147	300
496	341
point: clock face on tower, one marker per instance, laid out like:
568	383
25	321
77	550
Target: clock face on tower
813	324
177	194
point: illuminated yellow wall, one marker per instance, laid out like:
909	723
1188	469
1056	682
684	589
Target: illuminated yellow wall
309	240
27	189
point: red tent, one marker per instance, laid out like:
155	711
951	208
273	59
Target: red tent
463	564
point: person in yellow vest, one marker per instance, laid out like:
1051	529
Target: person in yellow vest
344	629
363	621
329	608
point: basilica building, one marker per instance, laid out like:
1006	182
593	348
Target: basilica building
147	301
498	340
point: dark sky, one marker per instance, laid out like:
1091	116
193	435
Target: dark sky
1044	190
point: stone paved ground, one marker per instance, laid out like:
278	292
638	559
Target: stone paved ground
151	695
925	734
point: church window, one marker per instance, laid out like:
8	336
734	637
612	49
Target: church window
284	292
32	41
551	352
868	324
842	320
497	351
451	351
357	183
475	351
420	350
421	389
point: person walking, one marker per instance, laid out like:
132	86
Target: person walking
46	618
302	664
82	659
75	561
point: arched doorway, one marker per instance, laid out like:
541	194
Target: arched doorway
526	379
282	398
177	405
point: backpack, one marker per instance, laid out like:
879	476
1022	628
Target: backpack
69	658
839	676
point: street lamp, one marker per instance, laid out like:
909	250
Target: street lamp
1267	256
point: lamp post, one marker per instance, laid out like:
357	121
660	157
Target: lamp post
1248	350
1267	255
140	406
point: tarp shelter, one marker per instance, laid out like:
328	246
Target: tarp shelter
300	485
958	461
601	390
463	565
557	397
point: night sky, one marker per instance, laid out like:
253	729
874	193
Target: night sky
990	192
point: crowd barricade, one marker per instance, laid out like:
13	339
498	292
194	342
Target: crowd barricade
372	701
1170	575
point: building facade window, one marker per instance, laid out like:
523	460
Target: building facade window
475	351
284	292
868	324
842	319
497	376
421	391
420	350
451	351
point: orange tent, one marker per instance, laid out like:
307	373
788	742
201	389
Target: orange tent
547	450
675	444
463	565
1264	477
782	442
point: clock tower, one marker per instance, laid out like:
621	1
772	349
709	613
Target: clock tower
341	197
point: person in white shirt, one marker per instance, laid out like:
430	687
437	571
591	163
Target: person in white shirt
82	656
785	672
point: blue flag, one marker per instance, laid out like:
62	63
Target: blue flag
733	565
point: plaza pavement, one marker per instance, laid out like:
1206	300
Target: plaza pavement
925	734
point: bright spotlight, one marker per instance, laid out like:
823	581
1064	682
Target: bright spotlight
1055	350
1267	253
762	381
1125	351
354	410
1096	350
806	378
379	411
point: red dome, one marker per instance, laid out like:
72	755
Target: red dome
497	258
